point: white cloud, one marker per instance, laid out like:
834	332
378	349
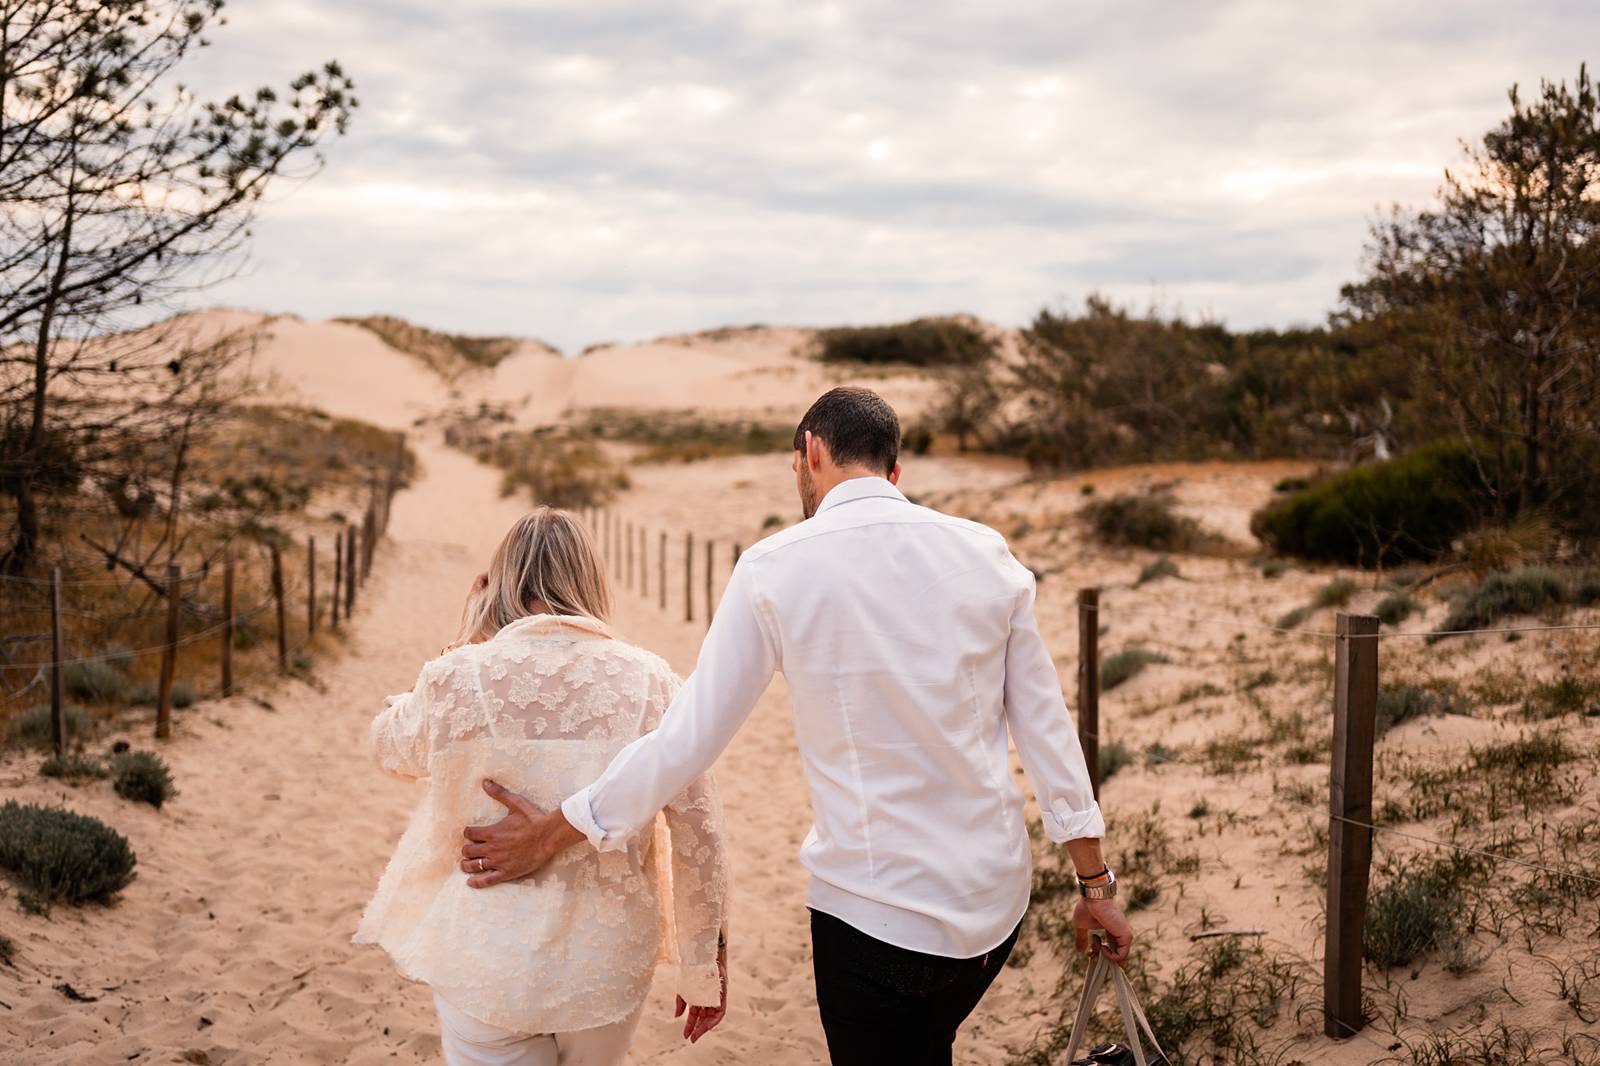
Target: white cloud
585	171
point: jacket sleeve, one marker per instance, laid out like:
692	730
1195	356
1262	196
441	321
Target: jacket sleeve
400	736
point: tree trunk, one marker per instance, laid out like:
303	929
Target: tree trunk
26	546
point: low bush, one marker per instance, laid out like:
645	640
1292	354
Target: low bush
95	681
926	342
1335	593
1411	507
182	694
1142	522
73	768
1125	664
1414	909
61	856
1292	619
1395	608
141	776
1402	702
1162	567
687	436
1113	757
32	727
1529	590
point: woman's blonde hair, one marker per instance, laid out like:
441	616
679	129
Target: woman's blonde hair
546	563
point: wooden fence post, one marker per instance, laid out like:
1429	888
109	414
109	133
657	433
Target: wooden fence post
277	598
711	604
58	708
395	473
369	529
661	571
311	586
349	572
1355	703
688	577
1089	682
169	655
735	563
338	579
644	566
228	621
627	541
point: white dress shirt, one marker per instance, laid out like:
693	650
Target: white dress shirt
909	643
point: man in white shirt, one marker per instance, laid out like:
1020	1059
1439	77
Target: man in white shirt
909	643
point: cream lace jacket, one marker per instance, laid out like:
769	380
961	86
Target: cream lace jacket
541	708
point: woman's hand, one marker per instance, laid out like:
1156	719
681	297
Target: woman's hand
702	1020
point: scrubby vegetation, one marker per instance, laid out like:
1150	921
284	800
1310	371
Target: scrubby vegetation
73	768
1410	507
142	776
446	354
1123	665
1154	571
686	436
1129	521
925	342
59	856
33	728
95	681
1396	607
1114	756
554	467
1530	590
1415	908
1401	702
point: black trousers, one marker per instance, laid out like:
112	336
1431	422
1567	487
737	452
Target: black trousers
887	1006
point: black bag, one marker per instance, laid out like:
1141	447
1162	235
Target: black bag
1130	1054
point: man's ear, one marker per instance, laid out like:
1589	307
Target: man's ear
816	451
894	475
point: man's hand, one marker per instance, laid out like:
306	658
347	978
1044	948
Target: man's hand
1103	914
702	1020
518	844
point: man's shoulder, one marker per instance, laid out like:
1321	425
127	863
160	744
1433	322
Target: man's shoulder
902	513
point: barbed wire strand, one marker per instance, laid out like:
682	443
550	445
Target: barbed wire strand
1326	634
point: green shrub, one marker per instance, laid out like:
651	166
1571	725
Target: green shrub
1113	757
142	777
1124	664
917	439
1158	754
1410	507
143	694
1584	587
1528	590
1396	608
73	768
1162	567
1335	593
1402	702
118	655
1271	568
32	726
1142	522
95	681
182	694
923	342
61	856
1292	619
1415	909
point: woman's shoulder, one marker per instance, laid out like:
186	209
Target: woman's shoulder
652	664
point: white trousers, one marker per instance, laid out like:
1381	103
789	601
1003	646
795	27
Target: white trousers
469	1042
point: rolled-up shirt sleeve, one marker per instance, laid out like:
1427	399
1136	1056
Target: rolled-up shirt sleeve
737	661
1042	731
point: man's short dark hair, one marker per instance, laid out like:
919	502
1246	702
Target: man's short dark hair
858	426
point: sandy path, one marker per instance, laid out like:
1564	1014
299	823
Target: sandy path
232	944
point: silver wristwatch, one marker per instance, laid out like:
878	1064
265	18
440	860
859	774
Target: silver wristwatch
1106	889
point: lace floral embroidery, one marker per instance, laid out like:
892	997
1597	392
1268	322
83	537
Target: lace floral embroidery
542	708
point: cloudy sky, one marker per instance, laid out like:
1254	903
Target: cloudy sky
591	170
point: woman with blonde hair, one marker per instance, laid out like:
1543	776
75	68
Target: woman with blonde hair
537	695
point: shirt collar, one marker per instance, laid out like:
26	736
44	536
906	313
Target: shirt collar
554	623
860	488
